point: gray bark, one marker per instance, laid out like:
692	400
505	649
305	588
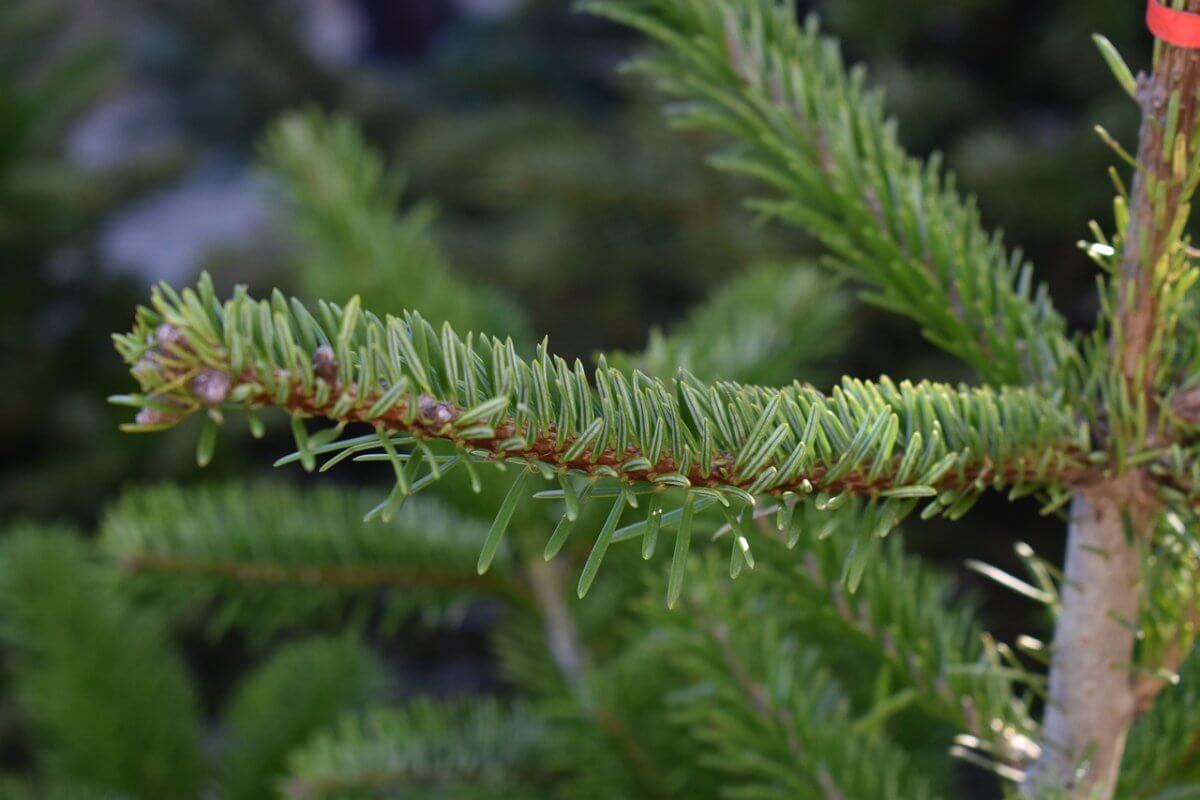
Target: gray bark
1091	701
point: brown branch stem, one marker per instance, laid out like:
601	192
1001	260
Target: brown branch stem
434	419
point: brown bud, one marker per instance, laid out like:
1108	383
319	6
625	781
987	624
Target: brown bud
152	416
168	336
145	369
435	411
211	386
325	364
1186	405
825	155
871	198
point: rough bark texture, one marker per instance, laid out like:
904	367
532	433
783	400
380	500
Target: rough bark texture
1091	700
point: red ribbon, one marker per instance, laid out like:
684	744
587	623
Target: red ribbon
1180	28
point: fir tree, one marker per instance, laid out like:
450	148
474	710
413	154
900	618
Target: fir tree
887	673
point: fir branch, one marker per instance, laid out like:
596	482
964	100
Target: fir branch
19	789
902	617
344	211
402	377
807	127
764	713
1164	744
721	442
109	703
1169	616
764	327
269	557
901	628
465	748
301	690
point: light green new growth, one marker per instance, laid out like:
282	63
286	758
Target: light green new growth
437	401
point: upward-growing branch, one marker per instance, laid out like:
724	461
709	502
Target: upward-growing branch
1159	208
805	125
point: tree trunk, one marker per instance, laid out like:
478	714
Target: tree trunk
1091	700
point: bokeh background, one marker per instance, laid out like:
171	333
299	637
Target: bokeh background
130	152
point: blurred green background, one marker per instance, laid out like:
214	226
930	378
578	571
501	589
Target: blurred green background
130	151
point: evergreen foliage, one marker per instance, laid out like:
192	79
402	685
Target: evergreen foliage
656	712
813	663
788	321
111	705
270	558
722	442
770	720
431	749
344	212
1161	758
299	691
806	126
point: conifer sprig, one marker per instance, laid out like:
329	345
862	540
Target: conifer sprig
762	711
459	748
790	320
343	210
303	689
108	701
1162	758
272	557
438	401
1124	415
807	126
900	621
933	644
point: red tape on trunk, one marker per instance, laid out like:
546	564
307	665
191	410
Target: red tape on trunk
1180	28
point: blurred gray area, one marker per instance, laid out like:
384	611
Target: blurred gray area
218	205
